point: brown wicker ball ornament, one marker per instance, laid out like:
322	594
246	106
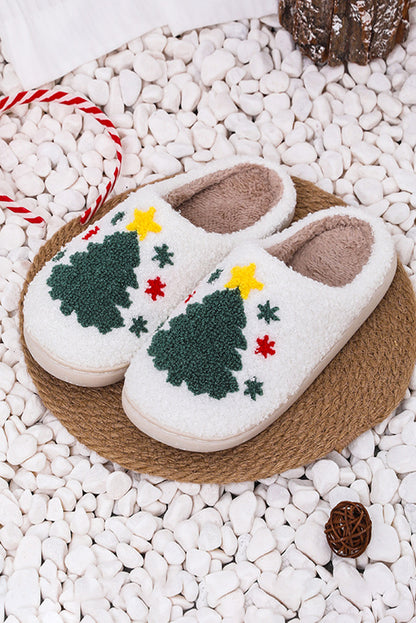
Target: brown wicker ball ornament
348	529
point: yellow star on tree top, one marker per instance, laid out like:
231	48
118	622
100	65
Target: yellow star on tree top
243	278
143	223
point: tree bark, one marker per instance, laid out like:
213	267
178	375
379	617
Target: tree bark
337	31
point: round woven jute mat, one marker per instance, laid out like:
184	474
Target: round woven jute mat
357	390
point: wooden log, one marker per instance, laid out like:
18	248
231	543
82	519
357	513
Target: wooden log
338	31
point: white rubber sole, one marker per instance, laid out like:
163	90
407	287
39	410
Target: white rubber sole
170	437
85	377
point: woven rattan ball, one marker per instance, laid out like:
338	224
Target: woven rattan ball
348	529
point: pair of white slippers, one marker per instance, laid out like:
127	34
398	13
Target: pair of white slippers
217	322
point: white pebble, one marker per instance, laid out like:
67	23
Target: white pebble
288	586
306	500
407	94
407	489
331	164
164	164
130	86
197	562
246	50
378	82
7	377
352	585
105	146
130	557
30	184
147	67
384	543
215	66
191	94
219	584
28	553
292	64
311	540
301	153
242	511
383	486
364	152
178	510
209	537
23	591
251	104
163	127
11	237
21	448
379	578
363	446
389	104
402	458
314	83
98	92
397	213
58	181
174	553
117	484
406	180
79	559
325	475
360	73
8	160
262	542
260	64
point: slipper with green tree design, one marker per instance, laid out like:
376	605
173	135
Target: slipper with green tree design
258	330
89	308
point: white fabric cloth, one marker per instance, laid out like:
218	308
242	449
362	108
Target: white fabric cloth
45	39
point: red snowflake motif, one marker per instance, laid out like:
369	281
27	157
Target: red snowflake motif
91	232
188	298
265	347
155	288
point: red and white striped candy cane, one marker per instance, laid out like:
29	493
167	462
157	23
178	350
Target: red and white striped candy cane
85	106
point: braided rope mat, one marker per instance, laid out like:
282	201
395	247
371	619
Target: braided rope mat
357	390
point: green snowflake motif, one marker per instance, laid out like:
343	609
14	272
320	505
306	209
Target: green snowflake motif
215	275
58	256
267	313
139	326
254	388
117	217
163	255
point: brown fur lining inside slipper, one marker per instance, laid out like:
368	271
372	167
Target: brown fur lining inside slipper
230	200
332	251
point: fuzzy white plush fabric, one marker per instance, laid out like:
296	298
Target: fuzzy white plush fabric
86	312
46	39
223	367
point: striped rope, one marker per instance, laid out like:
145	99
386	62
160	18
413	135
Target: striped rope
85	106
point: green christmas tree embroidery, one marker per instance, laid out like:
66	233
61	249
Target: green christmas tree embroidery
58	256
117	217
254	388
200	347
267	313
96	281
163	255
215	275
138	326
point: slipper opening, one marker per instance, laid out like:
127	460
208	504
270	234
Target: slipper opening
332	251
228	200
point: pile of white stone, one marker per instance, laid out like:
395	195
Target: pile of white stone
81	539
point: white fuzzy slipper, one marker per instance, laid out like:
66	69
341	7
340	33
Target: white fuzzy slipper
258	330
87	310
